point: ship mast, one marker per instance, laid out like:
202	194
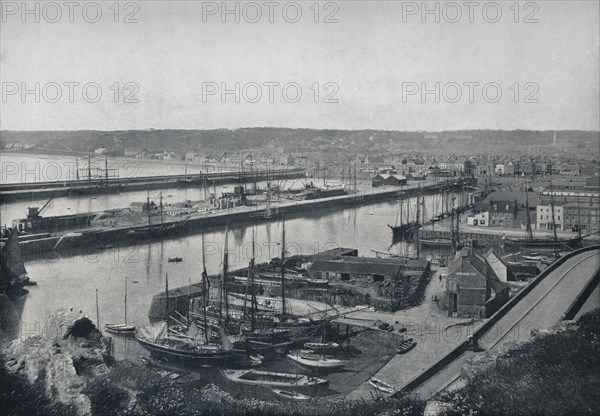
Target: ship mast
167	302
529	232
204	290
253	292
283	273
552	209
89	167
223	298
579	222
148	209
125	300
162	219
417	230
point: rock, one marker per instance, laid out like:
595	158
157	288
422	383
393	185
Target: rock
70	347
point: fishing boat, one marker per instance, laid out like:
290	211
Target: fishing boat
316	362
172	345
405	346
284	381
175	259
289	395
381	385
124	328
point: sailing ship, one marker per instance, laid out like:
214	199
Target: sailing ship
257	328
124	328
283	381
187	349
403	231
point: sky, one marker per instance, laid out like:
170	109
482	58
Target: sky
337	65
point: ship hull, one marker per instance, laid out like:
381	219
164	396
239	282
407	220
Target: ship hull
311	386
538	244
189	358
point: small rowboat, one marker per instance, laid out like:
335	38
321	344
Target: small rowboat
381	385
289	395
316	362
257	357
175	259
125	329
405	346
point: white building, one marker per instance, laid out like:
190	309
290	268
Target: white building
544	217
481	219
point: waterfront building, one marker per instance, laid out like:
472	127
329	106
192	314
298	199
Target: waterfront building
588	215
384	179
544	217
472	291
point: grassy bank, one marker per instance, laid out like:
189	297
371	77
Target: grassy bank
554	374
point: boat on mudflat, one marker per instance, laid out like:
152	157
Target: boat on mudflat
284	381
381	385
405	346
316	362
124	329
289	395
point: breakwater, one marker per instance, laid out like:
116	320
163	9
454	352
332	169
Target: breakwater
35	190
194	224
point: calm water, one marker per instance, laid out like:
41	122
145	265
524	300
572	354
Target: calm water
72	282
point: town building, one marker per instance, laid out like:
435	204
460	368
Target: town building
470	292
386	179
503	213
544	217
586	215
391	283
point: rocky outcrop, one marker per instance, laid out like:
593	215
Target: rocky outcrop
69	348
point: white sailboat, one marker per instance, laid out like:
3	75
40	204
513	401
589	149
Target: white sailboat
123	328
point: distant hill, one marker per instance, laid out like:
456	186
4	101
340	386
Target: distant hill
252	138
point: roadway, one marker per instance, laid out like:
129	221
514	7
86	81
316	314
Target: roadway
542	308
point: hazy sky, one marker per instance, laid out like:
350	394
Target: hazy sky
370	57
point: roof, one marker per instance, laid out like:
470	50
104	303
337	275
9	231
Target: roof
497	286
385	176
335	253
363	265
521	197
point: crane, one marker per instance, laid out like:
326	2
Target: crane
34	212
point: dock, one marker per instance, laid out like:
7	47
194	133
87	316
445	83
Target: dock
39	190
197	223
